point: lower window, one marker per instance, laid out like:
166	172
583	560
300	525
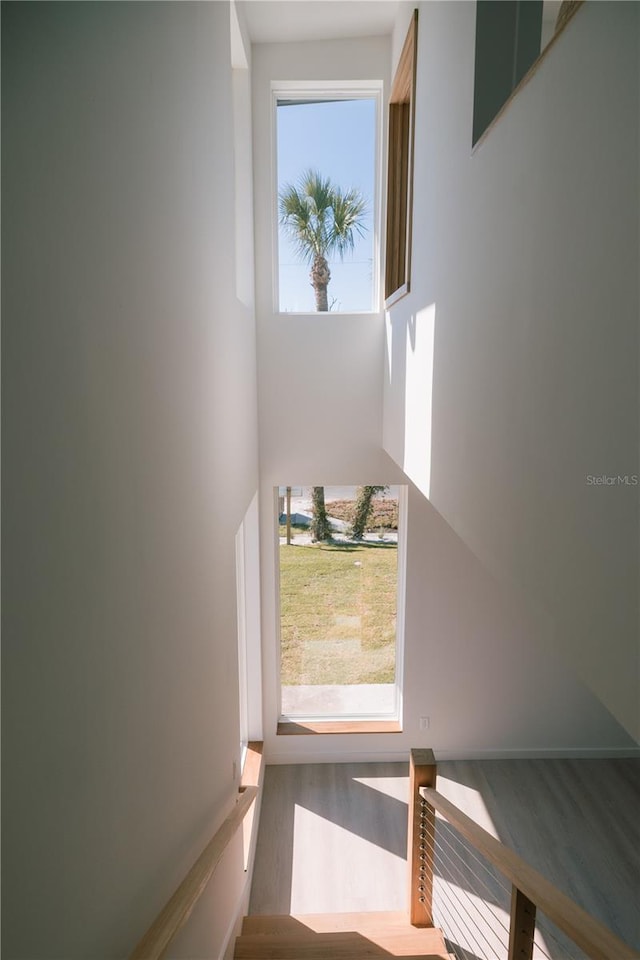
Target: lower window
340	573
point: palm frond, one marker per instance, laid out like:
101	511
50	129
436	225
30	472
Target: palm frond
319	218
300	221
318	190
348	212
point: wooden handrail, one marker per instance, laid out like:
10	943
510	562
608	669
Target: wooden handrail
178	908
593	937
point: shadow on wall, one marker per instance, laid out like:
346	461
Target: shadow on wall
484	659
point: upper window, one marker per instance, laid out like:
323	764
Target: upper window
400	170
510	35
326	199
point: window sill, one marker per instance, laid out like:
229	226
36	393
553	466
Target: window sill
312	728
320	315
396	295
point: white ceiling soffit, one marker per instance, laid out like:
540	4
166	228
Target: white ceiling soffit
284	21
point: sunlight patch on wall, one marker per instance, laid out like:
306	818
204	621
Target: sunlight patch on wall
389	345
418	398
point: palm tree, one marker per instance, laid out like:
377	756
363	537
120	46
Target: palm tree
362	510
320	526
320	220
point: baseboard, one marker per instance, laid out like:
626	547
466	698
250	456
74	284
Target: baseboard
444	754
356	756
542	753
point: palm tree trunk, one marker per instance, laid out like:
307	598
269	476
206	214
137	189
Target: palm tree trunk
320	276
320	526
362	510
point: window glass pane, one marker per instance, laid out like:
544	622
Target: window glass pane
508	37
338	603
336	141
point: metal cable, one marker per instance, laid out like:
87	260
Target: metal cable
539	946
494	927
543	923
547	928
457	894
455	947
464	893
439	838
477	857
462	873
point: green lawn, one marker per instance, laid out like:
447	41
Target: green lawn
338	613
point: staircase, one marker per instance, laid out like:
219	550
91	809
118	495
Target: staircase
360	936
338	936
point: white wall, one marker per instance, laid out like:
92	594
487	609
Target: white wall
481	661
130	458
526	260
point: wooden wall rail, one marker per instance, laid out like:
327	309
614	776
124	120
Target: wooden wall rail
596	940
178	908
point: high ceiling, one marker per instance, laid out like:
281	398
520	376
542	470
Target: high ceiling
284	21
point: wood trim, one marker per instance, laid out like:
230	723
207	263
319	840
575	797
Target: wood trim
398	294
253	765
410	159
399	119
288	728
178	908
566	11
252	776
597	941
402	87
420	839
400	169
522	927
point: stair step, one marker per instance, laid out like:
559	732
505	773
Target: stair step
339	936
329	923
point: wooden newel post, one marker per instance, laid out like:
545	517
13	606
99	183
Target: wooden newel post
523	926
421	835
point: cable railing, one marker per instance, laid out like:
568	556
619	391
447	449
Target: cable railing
490	903
472	902
173	916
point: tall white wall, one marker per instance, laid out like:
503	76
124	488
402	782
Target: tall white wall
130	458
512	370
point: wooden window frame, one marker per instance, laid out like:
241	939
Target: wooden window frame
400	170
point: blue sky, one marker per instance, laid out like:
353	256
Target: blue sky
337	139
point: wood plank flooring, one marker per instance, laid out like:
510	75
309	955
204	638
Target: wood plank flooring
333	838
